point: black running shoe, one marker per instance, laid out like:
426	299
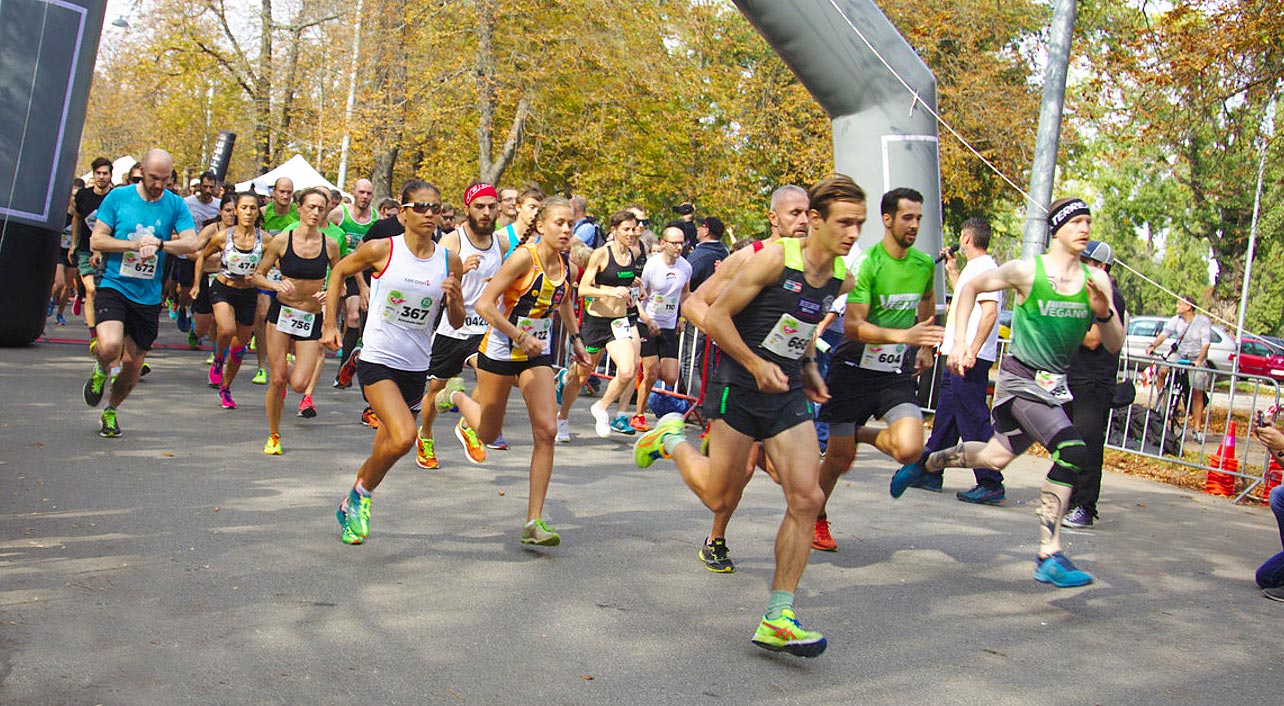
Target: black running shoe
714	556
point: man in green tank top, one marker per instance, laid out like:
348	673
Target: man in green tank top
764	321
891	310
355	222
1058	300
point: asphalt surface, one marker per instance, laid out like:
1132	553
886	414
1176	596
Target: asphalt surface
178	564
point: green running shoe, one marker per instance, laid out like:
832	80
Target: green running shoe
193	341
784	634
453	385
94	386
355	513
260	378
110	429
538	532
650	446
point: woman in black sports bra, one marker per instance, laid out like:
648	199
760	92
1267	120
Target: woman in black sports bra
610	325
304	255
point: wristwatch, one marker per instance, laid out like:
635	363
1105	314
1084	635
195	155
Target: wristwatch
1104	319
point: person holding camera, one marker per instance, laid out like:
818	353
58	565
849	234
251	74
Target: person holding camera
1270	575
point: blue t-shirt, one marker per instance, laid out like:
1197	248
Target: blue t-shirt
586	231
130	217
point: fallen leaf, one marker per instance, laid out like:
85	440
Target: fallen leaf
168	455
216	509
586	677
501	493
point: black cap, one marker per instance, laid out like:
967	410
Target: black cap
716	228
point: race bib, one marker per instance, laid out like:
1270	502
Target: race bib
474	324
295	322
789	337
243	264
663	306
138	267
274	275
539	328
400	311
621	329
209	278
635	293
65	241
1054	384
883	357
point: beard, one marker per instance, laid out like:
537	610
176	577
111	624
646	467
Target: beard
478	229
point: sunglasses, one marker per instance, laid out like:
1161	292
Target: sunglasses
135	180
644	222
422	207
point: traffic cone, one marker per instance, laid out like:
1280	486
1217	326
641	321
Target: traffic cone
1271	478
1222	483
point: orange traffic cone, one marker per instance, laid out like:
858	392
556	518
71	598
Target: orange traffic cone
1222	483
1271	477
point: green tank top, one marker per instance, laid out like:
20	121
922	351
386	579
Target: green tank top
893	289
1048	327
275	223
356	231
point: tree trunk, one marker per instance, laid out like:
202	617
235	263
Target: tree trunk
491	166
263	90
385	161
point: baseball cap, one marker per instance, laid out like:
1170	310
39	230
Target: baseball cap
1099	251
716	228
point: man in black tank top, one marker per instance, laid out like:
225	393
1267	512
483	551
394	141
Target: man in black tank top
764	322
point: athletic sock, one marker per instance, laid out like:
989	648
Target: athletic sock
670	442
350	337
780	601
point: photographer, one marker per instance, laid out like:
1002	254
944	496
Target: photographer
1270	575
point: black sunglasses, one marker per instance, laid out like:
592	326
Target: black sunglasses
135	180
422	206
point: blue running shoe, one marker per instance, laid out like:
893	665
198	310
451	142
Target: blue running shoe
621	425
982	495
908	475
354	515
559	384
1060	572
933	482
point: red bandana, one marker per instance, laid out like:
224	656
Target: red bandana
478	190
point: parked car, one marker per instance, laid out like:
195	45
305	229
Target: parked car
1259	357
1143	330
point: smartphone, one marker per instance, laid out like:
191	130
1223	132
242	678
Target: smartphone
1261	421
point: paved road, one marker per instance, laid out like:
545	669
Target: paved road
181	565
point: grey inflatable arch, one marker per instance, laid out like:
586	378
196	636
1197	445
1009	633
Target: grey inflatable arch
883	136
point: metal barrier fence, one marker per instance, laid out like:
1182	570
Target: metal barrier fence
1156	426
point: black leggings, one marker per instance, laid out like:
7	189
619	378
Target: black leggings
1090	412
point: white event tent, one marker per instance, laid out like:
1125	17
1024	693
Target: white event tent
296	167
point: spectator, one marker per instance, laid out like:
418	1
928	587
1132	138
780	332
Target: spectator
1270	575
1192	333
708	252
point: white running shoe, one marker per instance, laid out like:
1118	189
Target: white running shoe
563	431
601	421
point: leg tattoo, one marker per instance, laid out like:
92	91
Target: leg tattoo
953	457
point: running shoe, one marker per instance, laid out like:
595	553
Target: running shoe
474	449
225	397
343	378
77	305
563	431
193	341
216	375
209	360
982	495
93	345
273	445
621	425
442	400
821	539
498	444
254	345
425	453
354	514
539	532
184	321
1078	518
1060	572
639	423
307	410
601	421
933	482
369	418
94	386
110	429
908	475
173	312
714	556
260	377
62	320
49	310
142	372
1275	593
784	634
559	384
650	446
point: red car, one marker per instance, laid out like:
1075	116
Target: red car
1258	357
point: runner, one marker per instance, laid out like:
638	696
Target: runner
412	280
280	212
295	316
203	324
533	284
1058	299
789	218
237	251
610	326
453	346
133	231
664	288
891	309
776	300
64	284
307	408
528	201
354	223
89	263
